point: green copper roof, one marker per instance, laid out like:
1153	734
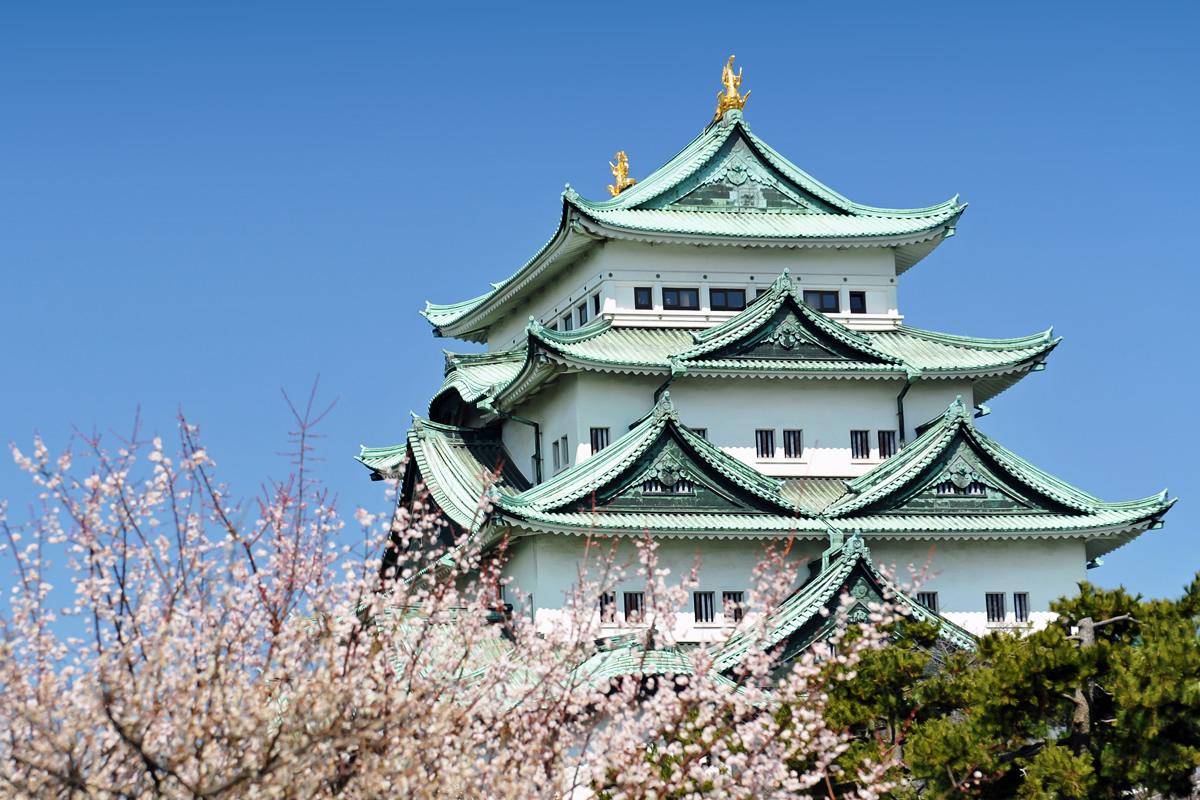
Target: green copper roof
798	622
726	187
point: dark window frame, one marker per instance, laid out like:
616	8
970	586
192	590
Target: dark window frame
648	304
887	444
824	295
599	439
1021	606
862	297
596	304
634	606
568	322
678	292
733	602
581	313
764	442
724	304
608	607
704	606
701	432
929	600
995	607
860	445
793	443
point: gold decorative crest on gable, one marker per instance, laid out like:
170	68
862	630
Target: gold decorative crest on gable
620	171
729	98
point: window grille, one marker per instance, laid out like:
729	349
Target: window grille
635	606
703	604
599	439
731	605
825	302
973	488
608	607
887	444
701	432
582	312
860	444
793	444
688	299
727	299
929	600
765	441
1021	606
643	297
655	486
567	323
858	302
995	607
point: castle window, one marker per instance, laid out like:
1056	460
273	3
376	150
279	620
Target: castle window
701	432
793	444
582	312
994	602
1021	606
596	305
608	607
655	486
858	302
825	302
929	600
557	456
887	444
599	439
764	440
566	453
702	602
860	444
731	605
643	297
681	299
727	299
635	606
568	323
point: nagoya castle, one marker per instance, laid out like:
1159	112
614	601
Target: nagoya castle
715	356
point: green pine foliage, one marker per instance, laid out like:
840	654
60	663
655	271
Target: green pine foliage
1104	703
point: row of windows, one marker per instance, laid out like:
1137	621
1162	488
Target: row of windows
703	605
688	299
994	603
579	316
793	445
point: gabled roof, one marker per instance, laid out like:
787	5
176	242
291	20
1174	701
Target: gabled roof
797	623
725	187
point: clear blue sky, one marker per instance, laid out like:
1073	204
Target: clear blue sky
203	202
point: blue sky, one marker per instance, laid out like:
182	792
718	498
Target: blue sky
205	202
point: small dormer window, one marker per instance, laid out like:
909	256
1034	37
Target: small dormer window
681	299
825	302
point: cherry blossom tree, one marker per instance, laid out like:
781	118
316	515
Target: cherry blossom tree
212	648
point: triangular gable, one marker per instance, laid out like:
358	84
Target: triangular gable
780	326
659	466
736	178
954	469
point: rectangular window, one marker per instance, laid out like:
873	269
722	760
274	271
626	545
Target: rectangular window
765	441
825	302
727	299
1021	606
858	302
929	600
995	606
599	439
681	299
793	444
566	453
595	305
732	604
701	432
582	313
860	444
635	606
608	607
759	293
554	325
557	457
703	604
643	297
568	323
887	444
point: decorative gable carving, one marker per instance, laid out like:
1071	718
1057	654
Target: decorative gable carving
739	180
966	484
787	336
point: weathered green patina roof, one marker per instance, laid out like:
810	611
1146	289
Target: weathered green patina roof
1002	496
777	334
682	202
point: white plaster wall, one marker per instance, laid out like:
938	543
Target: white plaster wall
556	410
614	268
964	571
725	565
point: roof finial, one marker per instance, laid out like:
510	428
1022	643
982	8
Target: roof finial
730	98
620	171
